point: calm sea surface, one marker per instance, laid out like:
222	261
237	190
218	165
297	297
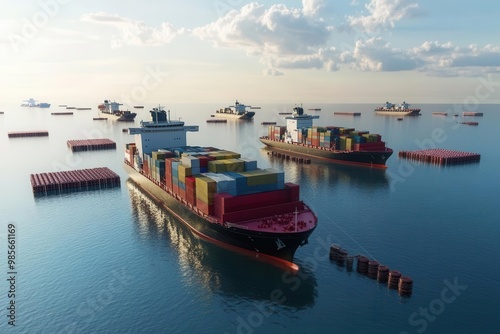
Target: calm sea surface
114	261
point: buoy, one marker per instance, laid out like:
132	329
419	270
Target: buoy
362	267
373	269
382	274
405	285
393	281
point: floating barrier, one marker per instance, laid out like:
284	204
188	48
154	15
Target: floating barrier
373	269
19	134
268	123
284	113
289	157
440	156
393	280
99	118
400	118
61	113
471	113
70	108
405	286
440	113
63	105
83	108
76	180
382	274
138	107
347	113
217	120
91	144
470	123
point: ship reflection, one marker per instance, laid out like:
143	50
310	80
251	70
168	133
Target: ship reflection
217	270
330	173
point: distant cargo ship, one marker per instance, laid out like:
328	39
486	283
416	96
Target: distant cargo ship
112	110
336	144
218	194
33	104
402	110
238	111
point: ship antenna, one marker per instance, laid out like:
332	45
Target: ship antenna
168	115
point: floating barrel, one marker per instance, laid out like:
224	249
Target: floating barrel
373	269
393	280
382	274
342	257
362	266
349	262
405	285
334	252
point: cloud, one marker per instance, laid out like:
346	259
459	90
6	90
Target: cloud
383	14
277	34
376	54
131	32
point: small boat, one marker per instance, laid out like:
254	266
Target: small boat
402	110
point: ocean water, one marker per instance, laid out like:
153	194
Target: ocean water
114	261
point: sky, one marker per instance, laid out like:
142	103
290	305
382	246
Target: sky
165	51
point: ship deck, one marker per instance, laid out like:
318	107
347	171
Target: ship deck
304	221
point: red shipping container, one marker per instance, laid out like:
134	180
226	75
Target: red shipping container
294	191
204	207
182	193
262	212
251	201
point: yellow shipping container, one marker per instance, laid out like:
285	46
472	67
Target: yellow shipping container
184	171
261	176
206	189
348	143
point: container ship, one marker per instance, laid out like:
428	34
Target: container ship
332	143
220	195
402	110
112	110
238	111
32	103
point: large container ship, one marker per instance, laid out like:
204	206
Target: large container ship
219	195
112	110
391	109
332	143
238	111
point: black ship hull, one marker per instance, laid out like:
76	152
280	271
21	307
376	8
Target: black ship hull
277	248
125	117
247	115
364	158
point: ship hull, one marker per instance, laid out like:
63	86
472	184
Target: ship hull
363	158
247	115
412	112
278	248
120	118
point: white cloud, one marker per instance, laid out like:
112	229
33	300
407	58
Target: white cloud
132	32
312	7
383	14
278	34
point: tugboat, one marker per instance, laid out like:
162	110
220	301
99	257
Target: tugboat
220	196
331	143
402	110
112	110
33	104
238	111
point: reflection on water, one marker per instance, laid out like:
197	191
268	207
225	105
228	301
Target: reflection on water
217	270
329	173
